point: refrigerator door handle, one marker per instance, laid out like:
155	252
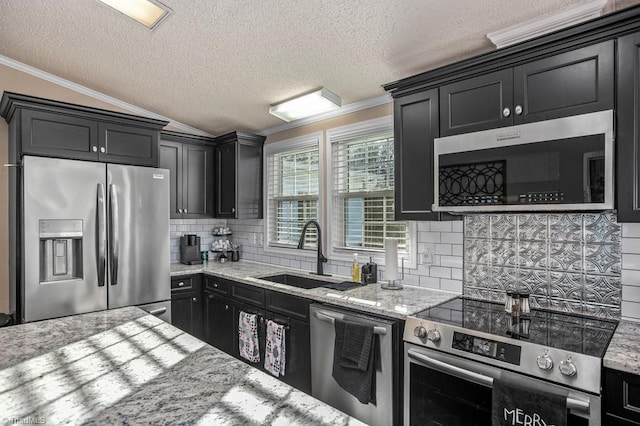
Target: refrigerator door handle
113	233
102	236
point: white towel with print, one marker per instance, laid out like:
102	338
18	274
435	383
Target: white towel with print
274	357
248	337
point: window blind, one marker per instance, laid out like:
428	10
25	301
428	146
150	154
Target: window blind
293	188
363	192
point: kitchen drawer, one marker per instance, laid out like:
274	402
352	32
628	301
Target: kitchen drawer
248	294
292	306
622	395
185	283
217	285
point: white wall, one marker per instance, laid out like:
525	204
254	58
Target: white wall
631	270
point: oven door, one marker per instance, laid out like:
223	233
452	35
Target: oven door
444	389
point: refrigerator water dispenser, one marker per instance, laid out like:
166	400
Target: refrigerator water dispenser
60	250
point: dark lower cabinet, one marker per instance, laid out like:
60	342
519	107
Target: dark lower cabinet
298	351
186	304
220	323
621	398
628	136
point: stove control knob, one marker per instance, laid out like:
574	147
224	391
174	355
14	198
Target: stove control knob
567	367
420	332
433	335
544	362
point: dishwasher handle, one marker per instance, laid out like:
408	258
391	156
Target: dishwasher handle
328	318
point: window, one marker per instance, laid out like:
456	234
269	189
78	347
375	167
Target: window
293	190
362	188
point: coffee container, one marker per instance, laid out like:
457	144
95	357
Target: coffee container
369	272
190	250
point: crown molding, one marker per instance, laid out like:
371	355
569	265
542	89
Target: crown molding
347	109
547	23
11	63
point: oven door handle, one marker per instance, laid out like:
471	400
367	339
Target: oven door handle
458	372
576	405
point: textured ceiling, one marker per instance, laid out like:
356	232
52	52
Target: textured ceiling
217	65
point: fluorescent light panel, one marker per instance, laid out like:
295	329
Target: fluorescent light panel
306	105
148	13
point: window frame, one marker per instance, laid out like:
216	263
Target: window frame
292	144
362	129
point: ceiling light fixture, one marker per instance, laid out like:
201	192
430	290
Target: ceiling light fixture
147	12
306	105
547	23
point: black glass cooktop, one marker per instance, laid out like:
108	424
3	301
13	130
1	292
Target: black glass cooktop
570	332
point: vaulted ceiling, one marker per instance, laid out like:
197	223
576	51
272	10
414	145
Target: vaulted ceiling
217	65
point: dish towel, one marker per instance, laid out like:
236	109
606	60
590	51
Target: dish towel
275	356
354	366
248	337
518	405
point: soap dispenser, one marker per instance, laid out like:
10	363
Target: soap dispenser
355	269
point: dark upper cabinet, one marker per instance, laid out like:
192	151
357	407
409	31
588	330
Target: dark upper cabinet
574	82
190	162
128	145
628	137
238	162
621	398
415	127
186	304
58	129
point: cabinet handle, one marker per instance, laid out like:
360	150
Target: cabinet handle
180	284
506	112
226	307
179	211
102	149
210	296
94	148
185	211
195	300
233	209
518	110
215	285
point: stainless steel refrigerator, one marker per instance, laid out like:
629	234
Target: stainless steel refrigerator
95	236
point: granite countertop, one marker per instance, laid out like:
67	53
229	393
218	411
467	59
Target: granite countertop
125	366
370	298
624	349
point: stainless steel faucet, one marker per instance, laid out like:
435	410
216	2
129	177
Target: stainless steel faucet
321	258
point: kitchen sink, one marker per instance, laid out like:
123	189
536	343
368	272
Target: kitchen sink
295	281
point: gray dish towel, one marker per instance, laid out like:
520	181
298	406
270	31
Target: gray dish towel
512	404
353	360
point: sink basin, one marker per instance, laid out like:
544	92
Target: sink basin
295	281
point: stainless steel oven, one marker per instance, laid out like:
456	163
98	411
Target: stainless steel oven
456	352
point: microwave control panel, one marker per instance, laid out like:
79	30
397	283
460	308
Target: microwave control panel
543	197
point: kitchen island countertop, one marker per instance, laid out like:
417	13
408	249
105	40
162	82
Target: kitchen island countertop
623	353
124	366
370	298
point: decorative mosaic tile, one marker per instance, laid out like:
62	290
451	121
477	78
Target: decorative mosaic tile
565	256
602	258
476	226
477	275
503	253
503	227
476	251
604	311
574	306
602	289
532	227
504	278
536	283
532	254
565	227
564	285
601	228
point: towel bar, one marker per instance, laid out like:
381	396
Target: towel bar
332	320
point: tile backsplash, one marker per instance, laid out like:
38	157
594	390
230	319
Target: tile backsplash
567	261
201	227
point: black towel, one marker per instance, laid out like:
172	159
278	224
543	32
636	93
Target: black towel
345	285
353	360
517	405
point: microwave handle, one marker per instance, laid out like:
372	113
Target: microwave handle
572	403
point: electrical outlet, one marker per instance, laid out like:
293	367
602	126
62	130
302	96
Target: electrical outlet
427	257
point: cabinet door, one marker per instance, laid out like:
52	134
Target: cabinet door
186	312
297	352
171	158
415	127
197	181
226	188
622	395
478	103
628	138
220	324
58	135
575	82
249	181
128	145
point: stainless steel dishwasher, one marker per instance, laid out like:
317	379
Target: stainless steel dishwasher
323	385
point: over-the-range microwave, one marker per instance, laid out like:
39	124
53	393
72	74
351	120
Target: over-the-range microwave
559	164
